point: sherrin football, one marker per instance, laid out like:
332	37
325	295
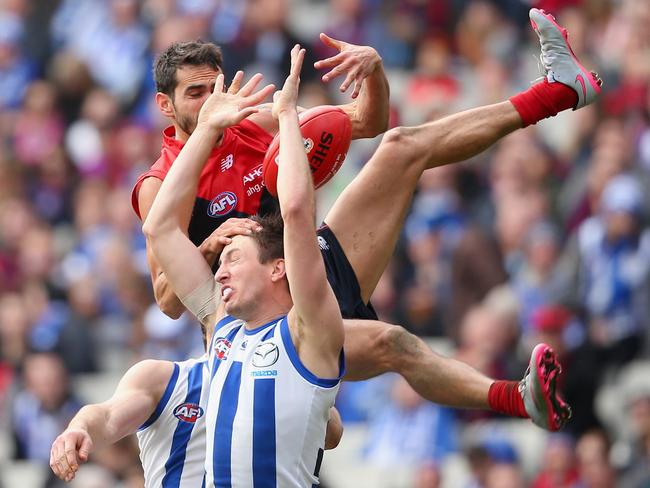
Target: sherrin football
326	133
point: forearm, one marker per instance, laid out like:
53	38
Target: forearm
166	299
178	189
369	113
295	185
94	419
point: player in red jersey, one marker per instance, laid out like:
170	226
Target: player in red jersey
363	226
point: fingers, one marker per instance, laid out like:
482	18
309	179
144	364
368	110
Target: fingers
297	57
348	81
336	72
233	227
357	88
236	82
246	112
59	462
218	85
53	457
296	63
70	454
259	96
240	226
330	41
250	85
85	448
330	62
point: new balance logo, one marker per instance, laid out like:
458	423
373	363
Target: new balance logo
227	162
322	243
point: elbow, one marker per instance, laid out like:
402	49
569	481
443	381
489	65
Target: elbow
371	128
153	229
167	301
297	210
171	308
148	229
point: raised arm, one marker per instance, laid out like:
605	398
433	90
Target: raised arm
185	268
363	66
101	424
210	248
315	320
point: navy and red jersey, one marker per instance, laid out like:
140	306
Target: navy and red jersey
231	184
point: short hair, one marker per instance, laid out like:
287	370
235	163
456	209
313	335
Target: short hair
270	240
179	54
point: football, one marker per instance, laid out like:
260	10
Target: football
326	133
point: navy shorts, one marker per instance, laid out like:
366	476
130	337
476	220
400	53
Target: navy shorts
342	278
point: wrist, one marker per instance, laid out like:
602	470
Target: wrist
207	130
77	424
209	252
288	113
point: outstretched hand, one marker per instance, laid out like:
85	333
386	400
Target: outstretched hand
69	450
286	99
357	61
227	108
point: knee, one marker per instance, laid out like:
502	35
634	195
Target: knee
402	143
398	346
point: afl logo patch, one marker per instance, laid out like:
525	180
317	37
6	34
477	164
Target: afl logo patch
222	348
224	203
308	143
188	412
265	355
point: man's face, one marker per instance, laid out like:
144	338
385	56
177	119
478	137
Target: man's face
244	280
195	84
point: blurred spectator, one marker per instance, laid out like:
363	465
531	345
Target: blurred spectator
454	264
558	464
432	89
14	328
493	463
428	475
39	128
16	70
538	281
594	467
485	339
111	40
264	42
43	408
166	338
410	431
614	257
77	124
636	404
504	475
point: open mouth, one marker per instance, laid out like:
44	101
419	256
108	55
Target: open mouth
226	291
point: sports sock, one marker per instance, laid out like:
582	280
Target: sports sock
543	100
504	397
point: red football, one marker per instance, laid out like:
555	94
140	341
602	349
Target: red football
326	132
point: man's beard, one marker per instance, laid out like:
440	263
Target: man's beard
187	123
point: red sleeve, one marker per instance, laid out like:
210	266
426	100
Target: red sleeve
152	173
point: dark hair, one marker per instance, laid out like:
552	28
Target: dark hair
179	54
270	240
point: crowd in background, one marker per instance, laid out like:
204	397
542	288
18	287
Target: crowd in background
544	237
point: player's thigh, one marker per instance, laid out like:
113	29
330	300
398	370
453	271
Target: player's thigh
368	216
